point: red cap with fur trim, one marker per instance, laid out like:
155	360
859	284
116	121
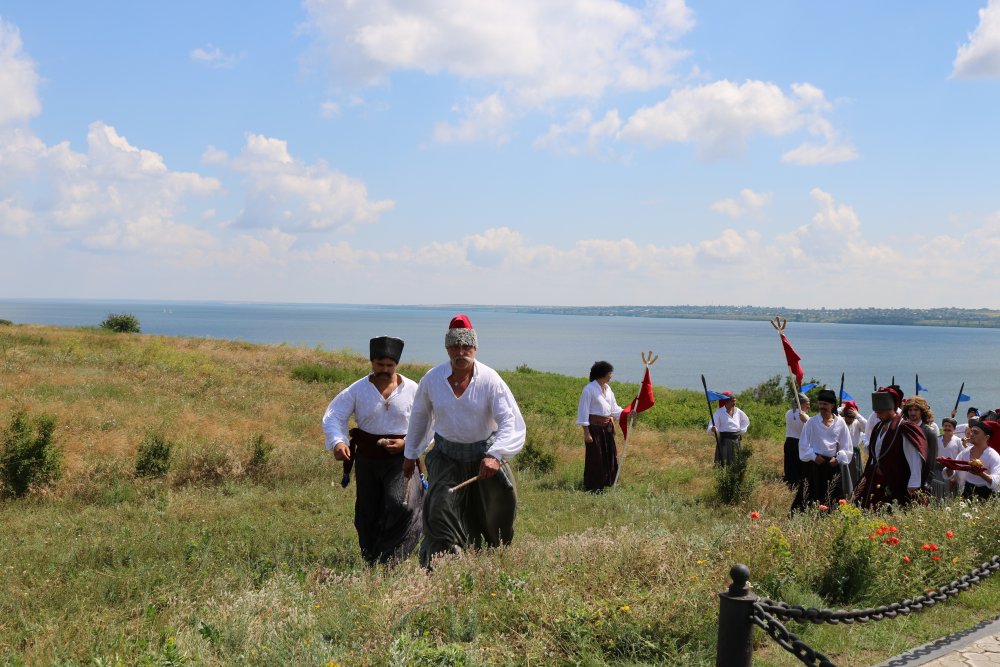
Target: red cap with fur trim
460	332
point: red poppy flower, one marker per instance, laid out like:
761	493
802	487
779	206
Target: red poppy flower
893	529
925	547
823	508
949	535
933	547
906	559
935	557
842	501
754	515
880	532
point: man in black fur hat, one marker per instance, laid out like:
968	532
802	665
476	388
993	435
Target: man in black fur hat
897	465
387	509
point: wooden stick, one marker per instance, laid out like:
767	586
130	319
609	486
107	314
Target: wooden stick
463	484
406	491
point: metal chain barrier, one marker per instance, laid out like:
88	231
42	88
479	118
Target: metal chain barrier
788	640
786	612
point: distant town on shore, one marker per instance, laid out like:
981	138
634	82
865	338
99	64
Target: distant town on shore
929	317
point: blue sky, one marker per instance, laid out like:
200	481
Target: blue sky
578	152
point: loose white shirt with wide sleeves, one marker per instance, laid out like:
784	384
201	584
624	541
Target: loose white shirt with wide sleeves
950	449
739	422
595	402
372	412
990	459
858	429
793	424
487	405
833	441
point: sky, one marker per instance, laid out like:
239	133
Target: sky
535	152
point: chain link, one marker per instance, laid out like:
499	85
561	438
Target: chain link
788	640
786	612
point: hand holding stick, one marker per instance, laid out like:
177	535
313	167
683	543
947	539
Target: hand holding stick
463	484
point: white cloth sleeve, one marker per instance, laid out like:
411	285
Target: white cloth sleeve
744	422
806	452
336	417
915	462
418	432
511	430
845	450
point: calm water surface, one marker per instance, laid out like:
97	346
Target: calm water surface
731	354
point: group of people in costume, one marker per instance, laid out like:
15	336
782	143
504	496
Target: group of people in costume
904	448
469	413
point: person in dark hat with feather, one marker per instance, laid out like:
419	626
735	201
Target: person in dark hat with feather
387	509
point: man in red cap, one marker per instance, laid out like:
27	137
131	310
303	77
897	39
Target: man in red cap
897	466
386	508
477	427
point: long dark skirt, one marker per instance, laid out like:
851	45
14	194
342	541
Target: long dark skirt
601	464
387	510
818	484
480	513
729	443
974	491
791	471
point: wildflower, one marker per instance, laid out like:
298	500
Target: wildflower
880	532
949	535
892	540
842	501
625	608
954	561
906	559
932	547
823	508
892	529
935	557
925	547
754	515
871	536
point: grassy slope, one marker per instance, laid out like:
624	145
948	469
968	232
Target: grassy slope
219	562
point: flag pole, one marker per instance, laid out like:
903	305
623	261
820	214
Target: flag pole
779	326
711	417
874	383
840	395
916	379
647	361
958	400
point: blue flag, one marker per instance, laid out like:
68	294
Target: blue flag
717	396
844	396
962	398
806	387
921	388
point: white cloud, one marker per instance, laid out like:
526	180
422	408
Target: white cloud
749	201
537	51
213	56
113	197
485	119
564	137
287	194
329	109
18	78
979	58
720	118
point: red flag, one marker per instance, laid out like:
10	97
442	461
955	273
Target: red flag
643	401
793	360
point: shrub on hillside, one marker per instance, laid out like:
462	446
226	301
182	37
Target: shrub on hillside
771	391
121	323
5	323
733	483
535	457
28	456
153	457
260	456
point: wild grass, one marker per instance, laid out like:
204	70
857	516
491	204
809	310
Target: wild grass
241	551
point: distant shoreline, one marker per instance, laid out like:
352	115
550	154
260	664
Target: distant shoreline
981	318
969	318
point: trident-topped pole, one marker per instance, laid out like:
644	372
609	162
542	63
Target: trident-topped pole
779	325
648	359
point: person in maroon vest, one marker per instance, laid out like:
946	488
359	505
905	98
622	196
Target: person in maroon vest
897	466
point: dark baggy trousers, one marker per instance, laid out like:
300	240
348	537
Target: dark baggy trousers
729	443
481	513
388	526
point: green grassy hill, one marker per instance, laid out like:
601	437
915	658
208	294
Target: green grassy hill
242	552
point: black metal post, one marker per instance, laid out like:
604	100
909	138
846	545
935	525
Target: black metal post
735	644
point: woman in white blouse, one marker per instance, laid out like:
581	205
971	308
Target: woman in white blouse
983	481
597	413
